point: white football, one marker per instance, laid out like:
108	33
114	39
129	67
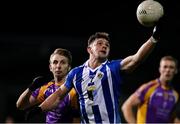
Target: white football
149	12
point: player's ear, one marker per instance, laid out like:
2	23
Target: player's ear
176	71
89	49
50	68
159	69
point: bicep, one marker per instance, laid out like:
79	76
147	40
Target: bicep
33	100
128	64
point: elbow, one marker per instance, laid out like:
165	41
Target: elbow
126	107
132	67
19	106
123	108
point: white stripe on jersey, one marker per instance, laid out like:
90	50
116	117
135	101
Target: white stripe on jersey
111	87
99	100
88	102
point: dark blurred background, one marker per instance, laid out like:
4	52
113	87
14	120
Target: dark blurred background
29	32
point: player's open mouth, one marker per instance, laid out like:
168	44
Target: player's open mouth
104	52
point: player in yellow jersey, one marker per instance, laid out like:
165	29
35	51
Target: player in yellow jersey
156	100
40	89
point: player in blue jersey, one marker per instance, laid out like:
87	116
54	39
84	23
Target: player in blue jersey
97	81
41	88
156	100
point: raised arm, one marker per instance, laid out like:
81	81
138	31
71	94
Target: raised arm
131	62
26	99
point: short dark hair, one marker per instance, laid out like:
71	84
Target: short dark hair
63	52
98	35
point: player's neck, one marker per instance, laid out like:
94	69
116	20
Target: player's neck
94	63
164	83
59	81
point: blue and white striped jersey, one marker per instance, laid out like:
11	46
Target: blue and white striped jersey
98	91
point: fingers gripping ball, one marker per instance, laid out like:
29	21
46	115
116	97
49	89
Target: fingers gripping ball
149	12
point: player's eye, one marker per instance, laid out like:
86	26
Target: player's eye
55	62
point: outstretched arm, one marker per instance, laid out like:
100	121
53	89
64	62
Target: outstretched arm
131	62
53	100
